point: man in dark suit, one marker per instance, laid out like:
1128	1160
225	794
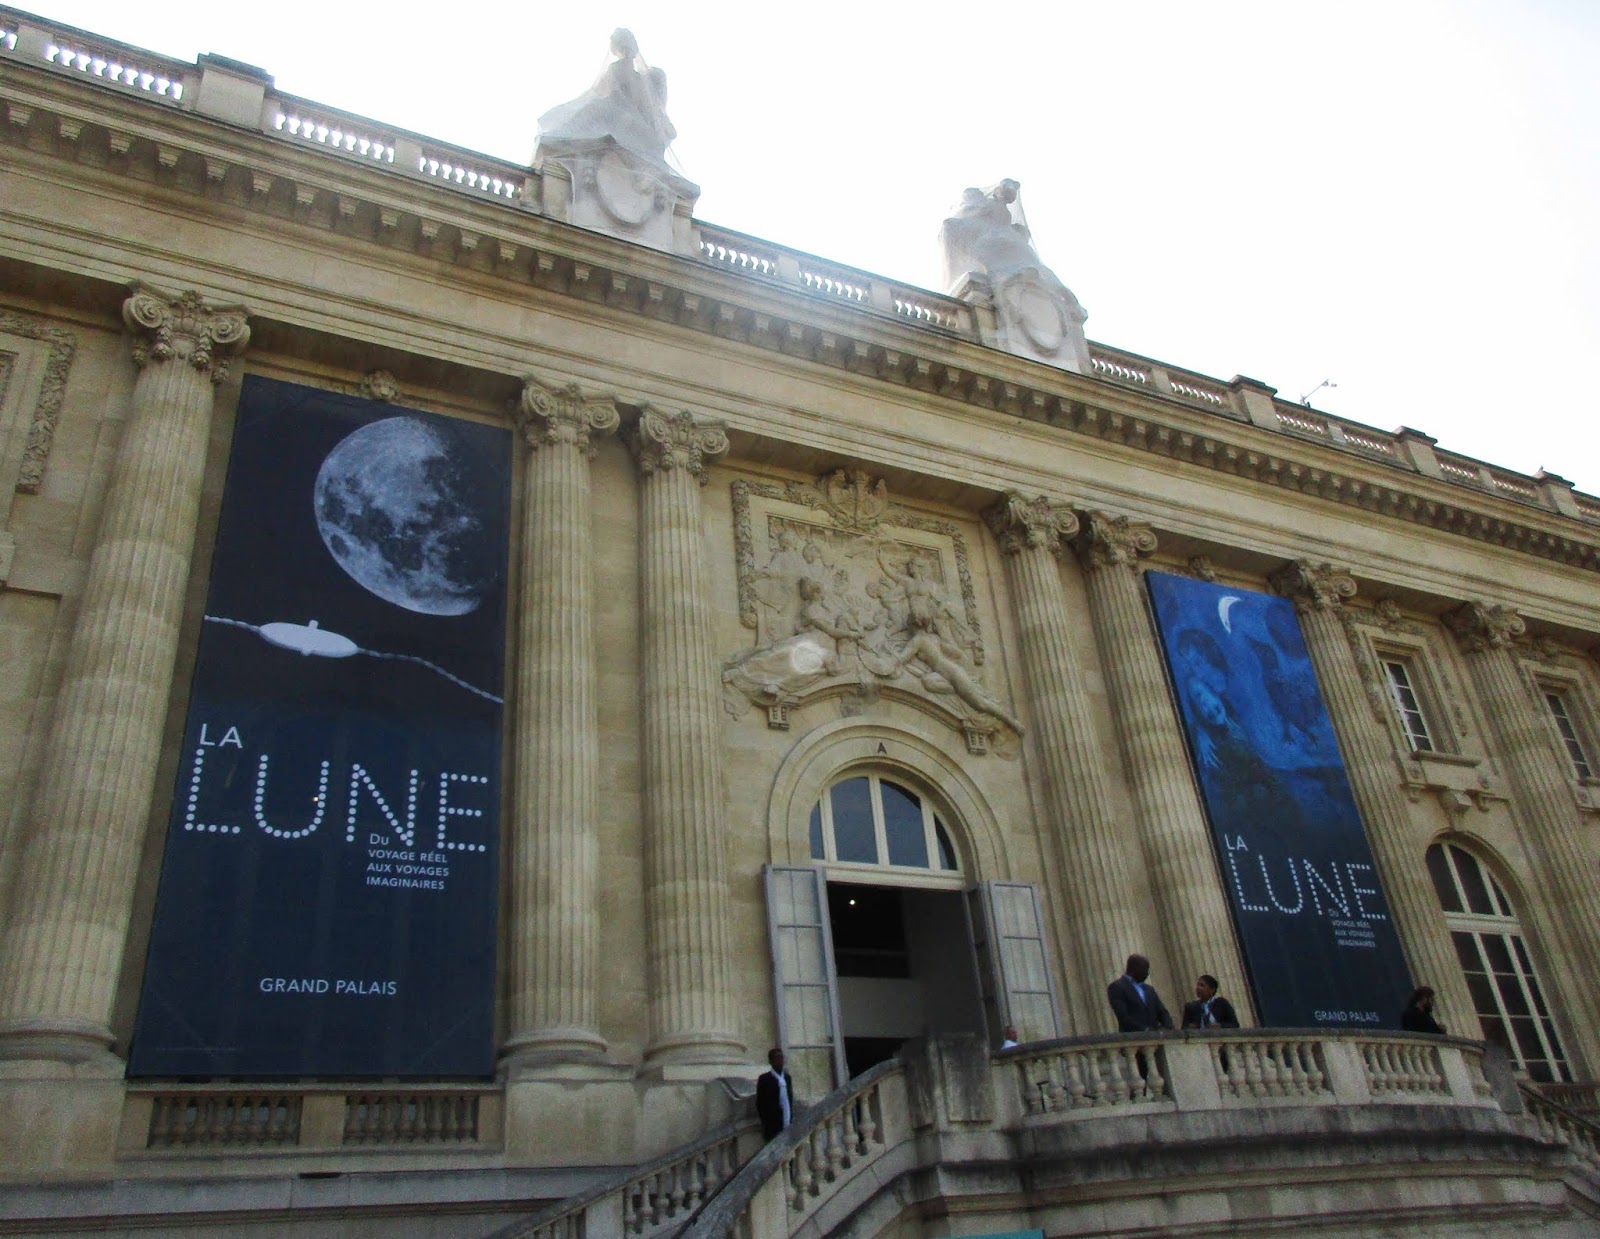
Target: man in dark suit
1209	1008
1134	1002
774	1096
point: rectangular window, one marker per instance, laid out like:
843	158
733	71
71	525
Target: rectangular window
1569	734
1407	706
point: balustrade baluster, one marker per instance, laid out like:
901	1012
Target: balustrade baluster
632	1198
875	1102
801	1169
1252	1069
1155	1083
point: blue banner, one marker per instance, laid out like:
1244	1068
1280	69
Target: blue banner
329	889
1310	913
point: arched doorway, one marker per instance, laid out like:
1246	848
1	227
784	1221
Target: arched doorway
890	907
902	947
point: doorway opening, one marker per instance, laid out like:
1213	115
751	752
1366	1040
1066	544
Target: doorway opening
905	965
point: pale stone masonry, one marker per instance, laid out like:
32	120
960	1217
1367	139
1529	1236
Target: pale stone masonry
68	929
1184	877
1102	920
686	870
1541	791
1318	590
555	864
808	665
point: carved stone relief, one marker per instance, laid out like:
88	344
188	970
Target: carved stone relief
42	423
849	592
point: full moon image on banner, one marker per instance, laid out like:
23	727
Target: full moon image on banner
395	506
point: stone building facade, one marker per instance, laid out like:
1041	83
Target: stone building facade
815	595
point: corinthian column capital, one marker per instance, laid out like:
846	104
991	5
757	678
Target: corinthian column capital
1313	586
1108	541
549	415
1020	523
184	327
1481	626
667	441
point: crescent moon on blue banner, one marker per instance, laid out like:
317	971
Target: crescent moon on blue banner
1224	605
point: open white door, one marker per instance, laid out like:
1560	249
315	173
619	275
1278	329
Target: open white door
803	979
1009	937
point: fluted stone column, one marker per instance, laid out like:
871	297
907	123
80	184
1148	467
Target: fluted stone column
1185	880
80	851
1102	923
1542	801
1318	591
692	1011
555	890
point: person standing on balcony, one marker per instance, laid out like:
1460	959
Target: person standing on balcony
774	1096
1134	1001
1209	1008
1418	1015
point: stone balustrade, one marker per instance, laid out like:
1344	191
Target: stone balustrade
654	1199
852	1146
242	95
1556	1122
1190	1071
212	1119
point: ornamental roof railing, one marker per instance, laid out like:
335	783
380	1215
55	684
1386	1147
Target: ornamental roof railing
166	82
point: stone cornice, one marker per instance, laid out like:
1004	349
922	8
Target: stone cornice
130	140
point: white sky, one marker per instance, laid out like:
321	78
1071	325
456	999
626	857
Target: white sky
1400	196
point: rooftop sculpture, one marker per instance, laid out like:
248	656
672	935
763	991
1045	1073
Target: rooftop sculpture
611	143
989	254
627	103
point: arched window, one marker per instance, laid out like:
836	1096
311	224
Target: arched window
1489	942
873	822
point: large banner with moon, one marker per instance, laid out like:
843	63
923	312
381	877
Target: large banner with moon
1311	915
329	890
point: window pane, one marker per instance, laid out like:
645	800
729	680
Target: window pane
1472	883
1467	951
947	854
816	833
1527	1039
1540	1073
853	837
1511	996
1443	885
1482	994
902	826
1494	946
1533	981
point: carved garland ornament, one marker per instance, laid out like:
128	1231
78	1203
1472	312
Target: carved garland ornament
42	427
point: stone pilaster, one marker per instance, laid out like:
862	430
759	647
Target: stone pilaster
1103	925
1318	591
691	975
555	889
1541	799
1178	852
81	846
